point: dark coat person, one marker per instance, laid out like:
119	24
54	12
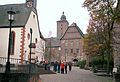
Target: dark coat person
65	67
58	69
55	66
70	66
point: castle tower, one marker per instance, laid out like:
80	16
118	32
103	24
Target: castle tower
62	26
31	3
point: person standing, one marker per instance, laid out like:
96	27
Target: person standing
45	65
55	66
70	66
65	67
58	69
48	66
62	68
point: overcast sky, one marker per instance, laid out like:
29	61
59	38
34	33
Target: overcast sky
50	11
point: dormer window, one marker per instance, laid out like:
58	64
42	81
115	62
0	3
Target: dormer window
29	4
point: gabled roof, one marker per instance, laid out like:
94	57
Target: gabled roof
21	16
52	42
79	30
73	25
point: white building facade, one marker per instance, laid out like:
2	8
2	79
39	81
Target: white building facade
26	18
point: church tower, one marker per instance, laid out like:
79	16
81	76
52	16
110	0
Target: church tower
31	3
62	26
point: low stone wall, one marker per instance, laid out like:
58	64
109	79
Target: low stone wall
18	77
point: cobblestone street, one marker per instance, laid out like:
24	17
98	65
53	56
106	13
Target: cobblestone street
76	75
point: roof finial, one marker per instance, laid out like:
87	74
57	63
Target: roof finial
63	12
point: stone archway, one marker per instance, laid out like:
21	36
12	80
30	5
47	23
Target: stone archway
75	60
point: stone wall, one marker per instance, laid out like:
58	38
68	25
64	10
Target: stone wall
18	77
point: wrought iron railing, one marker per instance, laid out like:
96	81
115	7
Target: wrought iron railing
17	67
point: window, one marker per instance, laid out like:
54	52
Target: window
33	16
77	44
61	34
77	50
12	43
75	55
69	35
36	40
71	43
28	36
71	50
66	50
66	44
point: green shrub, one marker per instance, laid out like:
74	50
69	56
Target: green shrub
81	63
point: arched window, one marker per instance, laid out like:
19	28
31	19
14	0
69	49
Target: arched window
36	40
71	43
12	43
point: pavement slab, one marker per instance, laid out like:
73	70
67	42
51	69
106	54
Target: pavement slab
76	75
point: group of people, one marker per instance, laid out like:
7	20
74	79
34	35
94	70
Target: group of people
46	65
61	67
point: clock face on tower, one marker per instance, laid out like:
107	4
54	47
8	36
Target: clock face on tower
29	4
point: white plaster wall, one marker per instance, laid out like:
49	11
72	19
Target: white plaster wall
33	23
4	37
41	49
17	42
4	42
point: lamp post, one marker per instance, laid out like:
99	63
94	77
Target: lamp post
65	56
59	53
30	46
50	50
11	19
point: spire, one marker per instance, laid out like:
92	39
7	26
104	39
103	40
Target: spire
63	12
63	17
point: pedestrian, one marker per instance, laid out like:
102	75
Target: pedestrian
48	66
62	68
55	66
70	66
45	65
58	69
65	67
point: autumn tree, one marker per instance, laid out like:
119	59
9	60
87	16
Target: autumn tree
103	14
94	41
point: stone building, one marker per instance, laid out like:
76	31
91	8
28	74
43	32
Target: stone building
52	49
68	43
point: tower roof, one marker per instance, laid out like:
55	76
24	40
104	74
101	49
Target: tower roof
63	17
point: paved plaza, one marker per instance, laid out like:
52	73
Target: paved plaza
76	75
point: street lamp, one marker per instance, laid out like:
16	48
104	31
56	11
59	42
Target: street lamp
30	46
50	50
11	19
59	53
65	56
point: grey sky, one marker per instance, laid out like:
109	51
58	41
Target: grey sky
50	11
